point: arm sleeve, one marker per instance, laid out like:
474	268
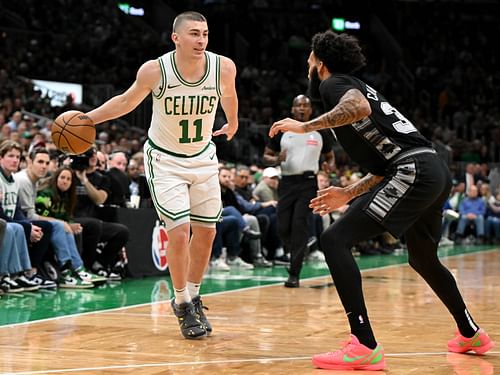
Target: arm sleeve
26	200
248	207
19	214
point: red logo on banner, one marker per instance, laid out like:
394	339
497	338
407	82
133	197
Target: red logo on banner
159	247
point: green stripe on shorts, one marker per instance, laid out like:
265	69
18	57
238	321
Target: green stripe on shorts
171	215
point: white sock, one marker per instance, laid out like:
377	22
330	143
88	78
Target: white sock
193	288
182	296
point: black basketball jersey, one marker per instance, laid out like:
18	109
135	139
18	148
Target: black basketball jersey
373	141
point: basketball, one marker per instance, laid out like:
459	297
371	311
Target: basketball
73	132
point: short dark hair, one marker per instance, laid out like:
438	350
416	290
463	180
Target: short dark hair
341	53
36	151
187	16
224	168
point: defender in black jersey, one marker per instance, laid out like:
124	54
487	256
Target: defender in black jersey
403	193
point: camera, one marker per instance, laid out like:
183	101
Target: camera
79	162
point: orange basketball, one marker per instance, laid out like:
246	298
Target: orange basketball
73	132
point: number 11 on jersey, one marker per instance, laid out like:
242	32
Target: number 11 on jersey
198	125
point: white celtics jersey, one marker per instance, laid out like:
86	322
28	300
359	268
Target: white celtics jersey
9	191
184	112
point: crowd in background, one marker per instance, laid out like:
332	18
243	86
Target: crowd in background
437	65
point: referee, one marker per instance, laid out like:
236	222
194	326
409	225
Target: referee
299	156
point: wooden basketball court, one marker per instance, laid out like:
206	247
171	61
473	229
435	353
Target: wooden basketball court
268	329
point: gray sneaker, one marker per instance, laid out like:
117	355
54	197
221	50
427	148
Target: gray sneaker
198	308
189	321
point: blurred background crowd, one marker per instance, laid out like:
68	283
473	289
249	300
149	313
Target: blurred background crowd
434	60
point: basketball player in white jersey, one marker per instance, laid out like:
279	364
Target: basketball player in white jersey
180	159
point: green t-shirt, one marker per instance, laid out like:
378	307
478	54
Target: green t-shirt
45	206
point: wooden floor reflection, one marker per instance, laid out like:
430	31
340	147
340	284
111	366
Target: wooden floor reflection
269	330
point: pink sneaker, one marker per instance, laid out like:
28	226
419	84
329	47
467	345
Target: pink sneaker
353	356
479	343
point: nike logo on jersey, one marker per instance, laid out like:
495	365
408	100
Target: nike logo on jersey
212	157
169	86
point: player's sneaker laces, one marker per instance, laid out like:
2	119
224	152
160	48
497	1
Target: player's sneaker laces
198	308
353	356
189	322
479	343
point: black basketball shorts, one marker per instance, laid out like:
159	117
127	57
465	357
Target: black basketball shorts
411	187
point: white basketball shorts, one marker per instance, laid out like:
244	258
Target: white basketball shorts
184	189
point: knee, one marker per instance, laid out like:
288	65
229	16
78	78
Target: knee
179	236
333	241
335	237
14	228
56	225
230	223
421	264
92	226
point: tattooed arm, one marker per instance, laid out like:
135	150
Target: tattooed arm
352	107
333	197
363	185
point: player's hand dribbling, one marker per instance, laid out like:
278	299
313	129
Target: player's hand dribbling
227	130
287	124
329	200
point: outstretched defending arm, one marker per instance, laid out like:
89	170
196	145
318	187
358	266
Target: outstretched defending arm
352	107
